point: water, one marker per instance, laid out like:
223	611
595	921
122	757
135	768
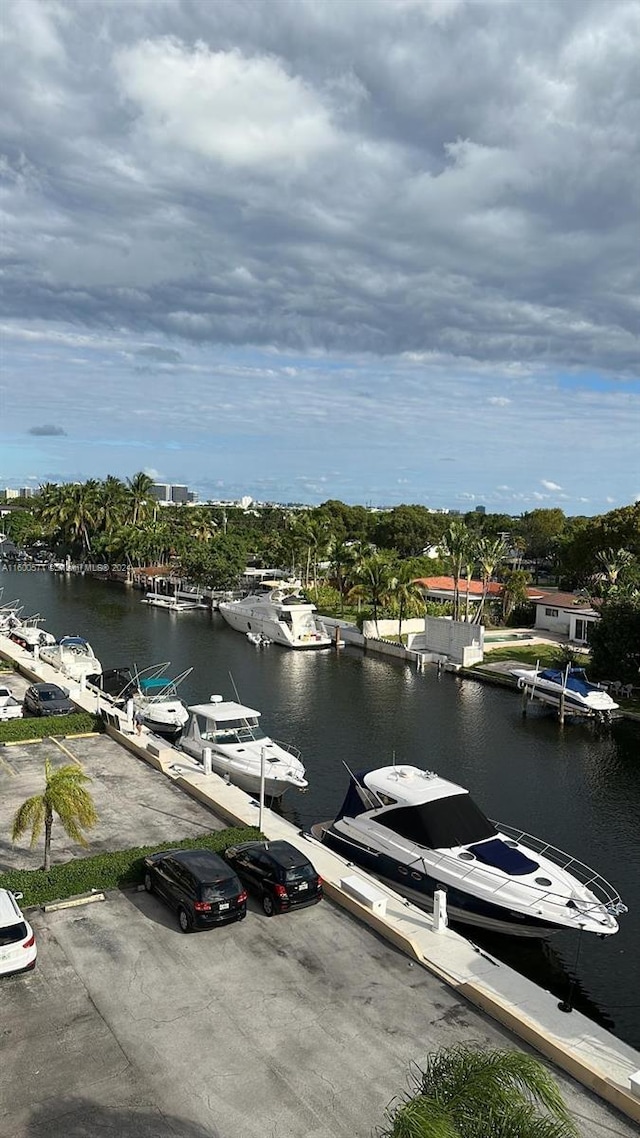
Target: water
578	787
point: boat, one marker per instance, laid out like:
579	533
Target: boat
416	832
73	656
239	748
552	685
151	693
257	639
284	617
27	633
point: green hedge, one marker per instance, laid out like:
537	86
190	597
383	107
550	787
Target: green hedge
22	730
108	870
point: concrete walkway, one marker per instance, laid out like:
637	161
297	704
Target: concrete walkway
593	1056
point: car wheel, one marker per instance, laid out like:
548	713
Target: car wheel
268	904
148	883
184	920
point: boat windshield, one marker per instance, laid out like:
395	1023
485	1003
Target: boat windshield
441	824
236	731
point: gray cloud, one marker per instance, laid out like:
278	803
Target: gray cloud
462	179
46	430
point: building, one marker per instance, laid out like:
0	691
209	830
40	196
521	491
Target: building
168	494
179	495
566	613
7	495
160	492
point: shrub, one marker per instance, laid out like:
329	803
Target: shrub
108	870
23	730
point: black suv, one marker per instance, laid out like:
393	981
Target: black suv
282	877
46	699
198	884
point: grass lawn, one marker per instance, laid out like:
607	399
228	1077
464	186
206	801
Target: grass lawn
547	654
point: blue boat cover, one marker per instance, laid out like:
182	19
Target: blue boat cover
156	683
499	854
577	680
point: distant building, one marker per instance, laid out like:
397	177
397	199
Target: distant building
480	510
172	495
180	495
27	492
161	492
7	495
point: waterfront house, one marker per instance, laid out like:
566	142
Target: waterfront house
567	613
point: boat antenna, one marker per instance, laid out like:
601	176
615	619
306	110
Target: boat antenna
393	757
234	687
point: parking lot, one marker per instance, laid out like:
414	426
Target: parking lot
136	805
300	1026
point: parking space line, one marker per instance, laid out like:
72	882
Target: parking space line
8	766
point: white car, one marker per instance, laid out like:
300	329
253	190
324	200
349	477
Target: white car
10	707
17	939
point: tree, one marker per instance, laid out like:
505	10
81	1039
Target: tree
490	553
64	794
405	595
374	582
455	548
140	487
615	640
514	592
468	1092
540	530
611	566
217	564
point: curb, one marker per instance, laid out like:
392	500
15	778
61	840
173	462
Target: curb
72	902
43	739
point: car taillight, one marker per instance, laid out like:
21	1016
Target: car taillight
319	883
281	891
202	906
30	942
242	896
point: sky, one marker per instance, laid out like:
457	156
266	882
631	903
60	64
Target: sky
384	251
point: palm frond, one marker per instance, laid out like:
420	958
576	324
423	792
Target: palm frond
419	1117
29	815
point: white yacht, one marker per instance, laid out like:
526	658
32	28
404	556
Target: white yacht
239	748
281	616
28	634
73	656
152	694
416	831
551	685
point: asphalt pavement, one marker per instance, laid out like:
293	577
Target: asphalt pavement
299	1026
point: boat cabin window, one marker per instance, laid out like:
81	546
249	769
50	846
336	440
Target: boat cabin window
446	822
386	799
232	730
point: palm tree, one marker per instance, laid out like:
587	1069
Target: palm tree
374	584
140	487
111	501
455	546
405	594
468	1092
65	795
612	564
490	553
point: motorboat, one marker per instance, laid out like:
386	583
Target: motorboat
27	633
10	707
552	685
73	656
416	831
150	694
258	640
283	617
240	750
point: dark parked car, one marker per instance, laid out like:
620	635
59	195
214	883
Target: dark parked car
46	699
281	876
198	884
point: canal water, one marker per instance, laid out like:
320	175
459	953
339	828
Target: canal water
577	786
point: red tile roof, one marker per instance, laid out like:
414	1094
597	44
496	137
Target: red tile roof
446	585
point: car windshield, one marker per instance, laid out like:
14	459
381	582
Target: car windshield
301	873
11	934
219	890
49	693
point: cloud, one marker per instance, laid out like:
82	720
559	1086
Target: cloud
162	355
499	401
549	485
48	429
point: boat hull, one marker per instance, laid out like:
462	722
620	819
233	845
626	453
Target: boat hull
245	620
462	908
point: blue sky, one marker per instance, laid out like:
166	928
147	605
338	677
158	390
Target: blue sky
382	252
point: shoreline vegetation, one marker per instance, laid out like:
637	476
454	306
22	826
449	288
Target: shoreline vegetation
354	563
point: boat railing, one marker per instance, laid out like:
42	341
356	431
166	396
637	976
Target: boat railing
606	897
289	748
606	894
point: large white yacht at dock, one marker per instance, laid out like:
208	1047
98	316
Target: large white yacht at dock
283	616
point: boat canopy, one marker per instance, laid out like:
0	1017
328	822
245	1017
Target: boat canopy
442	823
154	683
576	681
